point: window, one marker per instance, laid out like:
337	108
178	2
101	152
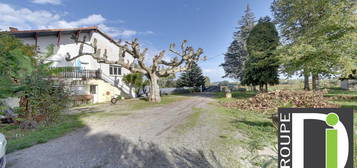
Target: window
93	89
111	70
114	70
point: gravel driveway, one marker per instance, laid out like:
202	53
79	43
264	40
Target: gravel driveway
133	141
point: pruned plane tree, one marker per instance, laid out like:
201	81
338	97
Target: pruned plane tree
158	68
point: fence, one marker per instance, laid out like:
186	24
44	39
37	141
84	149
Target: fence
75	72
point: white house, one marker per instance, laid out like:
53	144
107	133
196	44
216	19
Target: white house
87	78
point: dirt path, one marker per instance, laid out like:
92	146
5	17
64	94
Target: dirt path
132	141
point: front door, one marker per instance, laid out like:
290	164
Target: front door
94	93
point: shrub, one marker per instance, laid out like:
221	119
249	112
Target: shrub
45	99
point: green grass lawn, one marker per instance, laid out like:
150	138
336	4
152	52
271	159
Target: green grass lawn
256	127
259	129
237	95
19	138
191	121
220	96
246	132
350	102
338	91
140	104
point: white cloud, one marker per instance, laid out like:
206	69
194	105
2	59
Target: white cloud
128	32
214	72
94	19
149	32
117	32
53	2
24	18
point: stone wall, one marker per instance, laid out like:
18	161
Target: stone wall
11	101
350	84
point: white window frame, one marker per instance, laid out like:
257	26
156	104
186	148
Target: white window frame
93	89
115	70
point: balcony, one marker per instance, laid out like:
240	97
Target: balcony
75	72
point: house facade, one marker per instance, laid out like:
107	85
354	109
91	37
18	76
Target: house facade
88	79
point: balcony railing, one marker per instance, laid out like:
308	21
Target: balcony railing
75	72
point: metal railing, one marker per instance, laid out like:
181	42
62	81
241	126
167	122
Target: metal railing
75	72
116	82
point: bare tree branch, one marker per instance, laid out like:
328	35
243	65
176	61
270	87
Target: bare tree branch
159	67
96	55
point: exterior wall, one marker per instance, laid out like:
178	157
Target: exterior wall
67	45
349	84
112	52
105	91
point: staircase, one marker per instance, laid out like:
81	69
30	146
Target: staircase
118	84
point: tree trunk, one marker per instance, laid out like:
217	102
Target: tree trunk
137	91
261	87
24	104
315	78
154	95
131	90
306	81
266	87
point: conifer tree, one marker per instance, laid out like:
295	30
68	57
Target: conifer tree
261	67
237	51
192	77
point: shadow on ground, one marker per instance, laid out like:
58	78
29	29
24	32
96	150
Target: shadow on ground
82	150
253	123
123	153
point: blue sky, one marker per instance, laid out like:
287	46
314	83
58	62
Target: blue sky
208	24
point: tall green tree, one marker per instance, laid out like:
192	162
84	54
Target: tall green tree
318	37
237	52
16	63
262	65
43	99
193	77
135	81
26	74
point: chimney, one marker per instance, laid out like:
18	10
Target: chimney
13	29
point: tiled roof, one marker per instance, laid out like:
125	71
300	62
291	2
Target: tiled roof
14	30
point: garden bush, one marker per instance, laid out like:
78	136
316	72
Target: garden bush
44	99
